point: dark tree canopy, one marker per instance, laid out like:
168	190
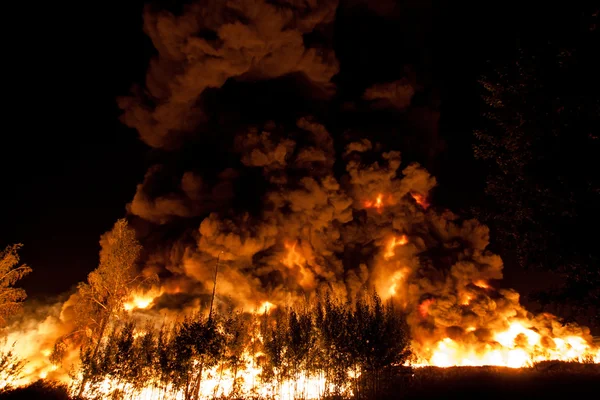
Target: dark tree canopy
539	143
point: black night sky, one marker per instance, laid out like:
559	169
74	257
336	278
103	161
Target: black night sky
69	166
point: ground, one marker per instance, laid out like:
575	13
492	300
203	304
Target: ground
545	381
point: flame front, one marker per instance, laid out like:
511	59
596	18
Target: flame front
474	324
316	238
515	347
463	321
141	300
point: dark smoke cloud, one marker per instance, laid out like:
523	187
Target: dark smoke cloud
292	139
312	202
191	196
396	94
313	226
214	41
294	196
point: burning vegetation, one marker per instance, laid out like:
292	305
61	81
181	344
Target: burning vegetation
340	274
290	318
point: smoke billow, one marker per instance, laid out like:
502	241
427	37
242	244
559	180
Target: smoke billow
396	94
192	196
214	41
291	203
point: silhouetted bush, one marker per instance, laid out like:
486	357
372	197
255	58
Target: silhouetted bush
40	390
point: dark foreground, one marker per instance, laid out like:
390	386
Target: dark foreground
546	381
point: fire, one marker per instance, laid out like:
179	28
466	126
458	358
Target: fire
424	307
220	383
392	244
482	284
441	282
265	307
309	233
420	199
141	300
507	338
396	281
377	204
475	325
33	344
295	260
515	347
467	297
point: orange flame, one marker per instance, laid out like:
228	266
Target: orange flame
424	307
488	332
396	280
482	284
265	307
377	204
295	260
466	299
420	199
515	347
392	244
141	300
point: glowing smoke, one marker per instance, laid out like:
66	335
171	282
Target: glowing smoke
327	214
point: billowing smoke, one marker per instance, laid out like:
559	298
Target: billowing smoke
396	94
215	41
288	204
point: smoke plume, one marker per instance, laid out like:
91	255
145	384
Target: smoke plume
291	204
288	202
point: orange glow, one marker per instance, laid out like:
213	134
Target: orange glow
295	260
219	383
455	317
482	284
516	346
293	257
392	244
420	199
396	280
466	299
377	204
424	307
141	300
265	307
278	238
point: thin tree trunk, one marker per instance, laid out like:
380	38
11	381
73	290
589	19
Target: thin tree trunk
218	382
95	353
356	383
188	390
234	385
198	383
